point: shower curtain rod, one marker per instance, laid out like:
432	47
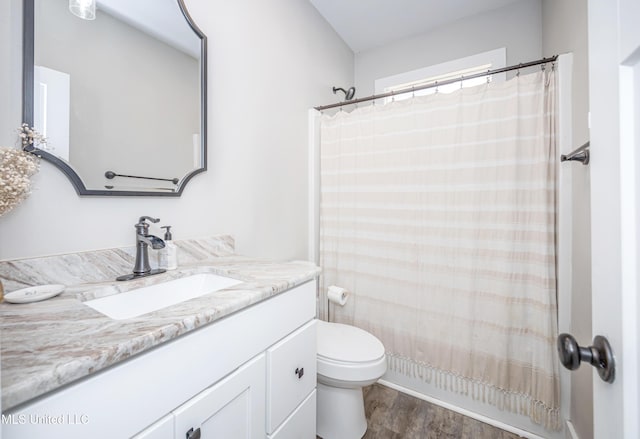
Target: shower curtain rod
439	83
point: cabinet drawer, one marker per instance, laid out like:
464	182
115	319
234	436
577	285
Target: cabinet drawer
301	424
291	373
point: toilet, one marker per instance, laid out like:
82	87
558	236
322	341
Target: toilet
349	359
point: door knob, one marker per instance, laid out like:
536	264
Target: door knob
599	355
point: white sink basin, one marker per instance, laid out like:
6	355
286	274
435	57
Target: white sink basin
144	300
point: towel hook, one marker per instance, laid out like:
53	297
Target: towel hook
581	155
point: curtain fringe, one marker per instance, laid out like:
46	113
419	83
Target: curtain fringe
505	400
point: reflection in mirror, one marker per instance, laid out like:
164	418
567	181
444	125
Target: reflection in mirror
121	99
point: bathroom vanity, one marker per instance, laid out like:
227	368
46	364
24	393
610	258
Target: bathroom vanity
236	363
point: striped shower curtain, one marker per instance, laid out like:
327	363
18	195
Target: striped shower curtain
438	213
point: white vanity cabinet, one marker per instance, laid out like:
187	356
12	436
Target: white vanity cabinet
275	390
249	375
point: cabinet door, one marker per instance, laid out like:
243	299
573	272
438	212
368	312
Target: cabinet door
161	429
232	408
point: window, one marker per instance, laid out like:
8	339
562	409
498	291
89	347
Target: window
441	72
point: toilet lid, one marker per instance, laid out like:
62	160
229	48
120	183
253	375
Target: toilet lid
347	343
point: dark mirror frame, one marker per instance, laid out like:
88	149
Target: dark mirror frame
28	40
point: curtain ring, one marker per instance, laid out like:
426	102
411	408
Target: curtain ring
461	81
488	76
543	66
436	87
393	95
518	73
413	91
553	66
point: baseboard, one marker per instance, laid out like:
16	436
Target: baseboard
473	415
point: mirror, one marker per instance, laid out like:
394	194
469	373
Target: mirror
121	99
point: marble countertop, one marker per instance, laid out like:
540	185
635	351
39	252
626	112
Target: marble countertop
48	344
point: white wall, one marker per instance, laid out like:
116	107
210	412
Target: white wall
516	27
268	63
564	25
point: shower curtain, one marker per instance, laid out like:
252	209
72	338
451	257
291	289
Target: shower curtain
438	213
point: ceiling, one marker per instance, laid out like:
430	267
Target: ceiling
365	24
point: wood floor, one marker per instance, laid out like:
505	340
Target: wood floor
395	415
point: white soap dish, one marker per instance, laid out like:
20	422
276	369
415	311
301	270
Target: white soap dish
33	294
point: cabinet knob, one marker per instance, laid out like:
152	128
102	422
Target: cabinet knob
299	371
193	434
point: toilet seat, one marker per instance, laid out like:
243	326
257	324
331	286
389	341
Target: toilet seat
349	354
347	343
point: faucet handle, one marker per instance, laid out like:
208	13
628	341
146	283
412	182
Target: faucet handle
142	228
143	218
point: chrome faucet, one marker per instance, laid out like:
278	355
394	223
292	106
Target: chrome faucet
143	240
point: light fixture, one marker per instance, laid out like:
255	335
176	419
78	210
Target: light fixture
85	9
